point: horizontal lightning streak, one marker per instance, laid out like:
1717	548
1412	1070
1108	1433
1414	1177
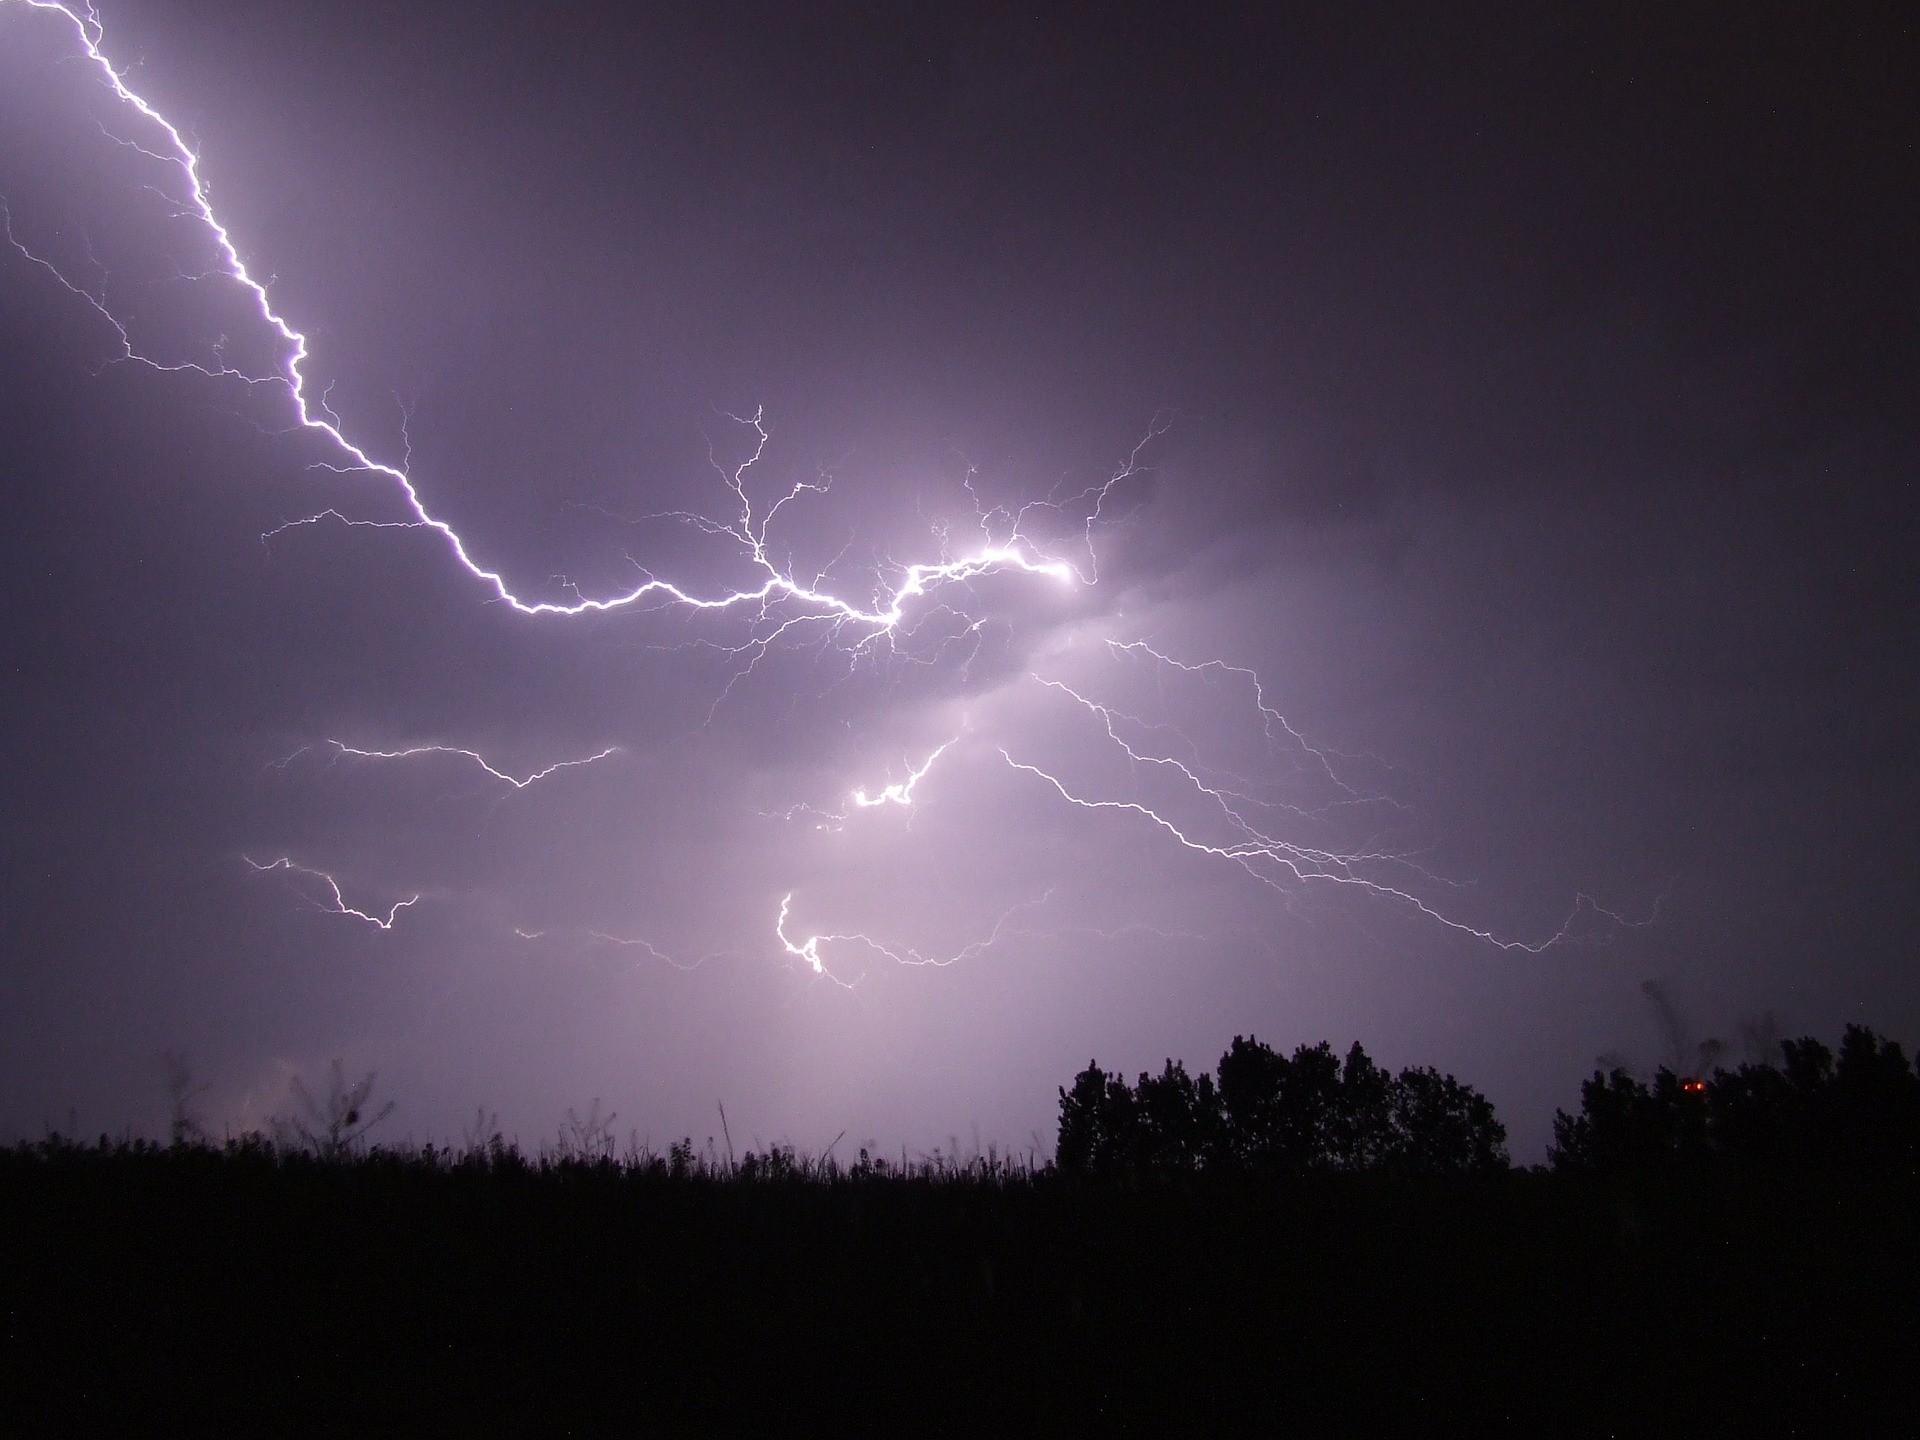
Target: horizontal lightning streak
632	942
518	782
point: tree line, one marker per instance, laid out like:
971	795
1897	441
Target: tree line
1265	1113
1857	1110
1268	1113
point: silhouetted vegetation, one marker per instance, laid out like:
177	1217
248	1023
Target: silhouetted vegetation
1291	1239
1813	1111
335	1126
1271	1115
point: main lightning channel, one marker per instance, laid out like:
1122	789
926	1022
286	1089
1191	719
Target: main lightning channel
882	615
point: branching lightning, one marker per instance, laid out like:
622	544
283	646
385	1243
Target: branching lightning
339	905
778	606
1270	718
777	598
808	950
901	792
1278	863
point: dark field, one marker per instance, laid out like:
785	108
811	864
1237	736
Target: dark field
145	1288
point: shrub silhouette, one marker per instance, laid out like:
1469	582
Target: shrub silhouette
587	1139
332	1127
1272	1114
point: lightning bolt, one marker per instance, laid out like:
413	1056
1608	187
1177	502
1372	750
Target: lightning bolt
898	793
339	906
589	937
808	950
777	605
518	782
901	793
1270	718
1278	863
809	602
631	942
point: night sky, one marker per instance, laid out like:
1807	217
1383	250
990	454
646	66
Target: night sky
1527	395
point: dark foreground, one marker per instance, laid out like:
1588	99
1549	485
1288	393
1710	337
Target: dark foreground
148	1289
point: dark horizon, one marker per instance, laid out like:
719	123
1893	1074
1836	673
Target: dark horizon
1526	399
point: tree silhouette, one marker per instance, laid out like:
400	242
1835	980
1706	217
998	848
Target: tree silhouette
1178	1119
1442	1127
1874	1111
1272	1114
1859	1111
1362	1132
1279	1112
1099	1126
